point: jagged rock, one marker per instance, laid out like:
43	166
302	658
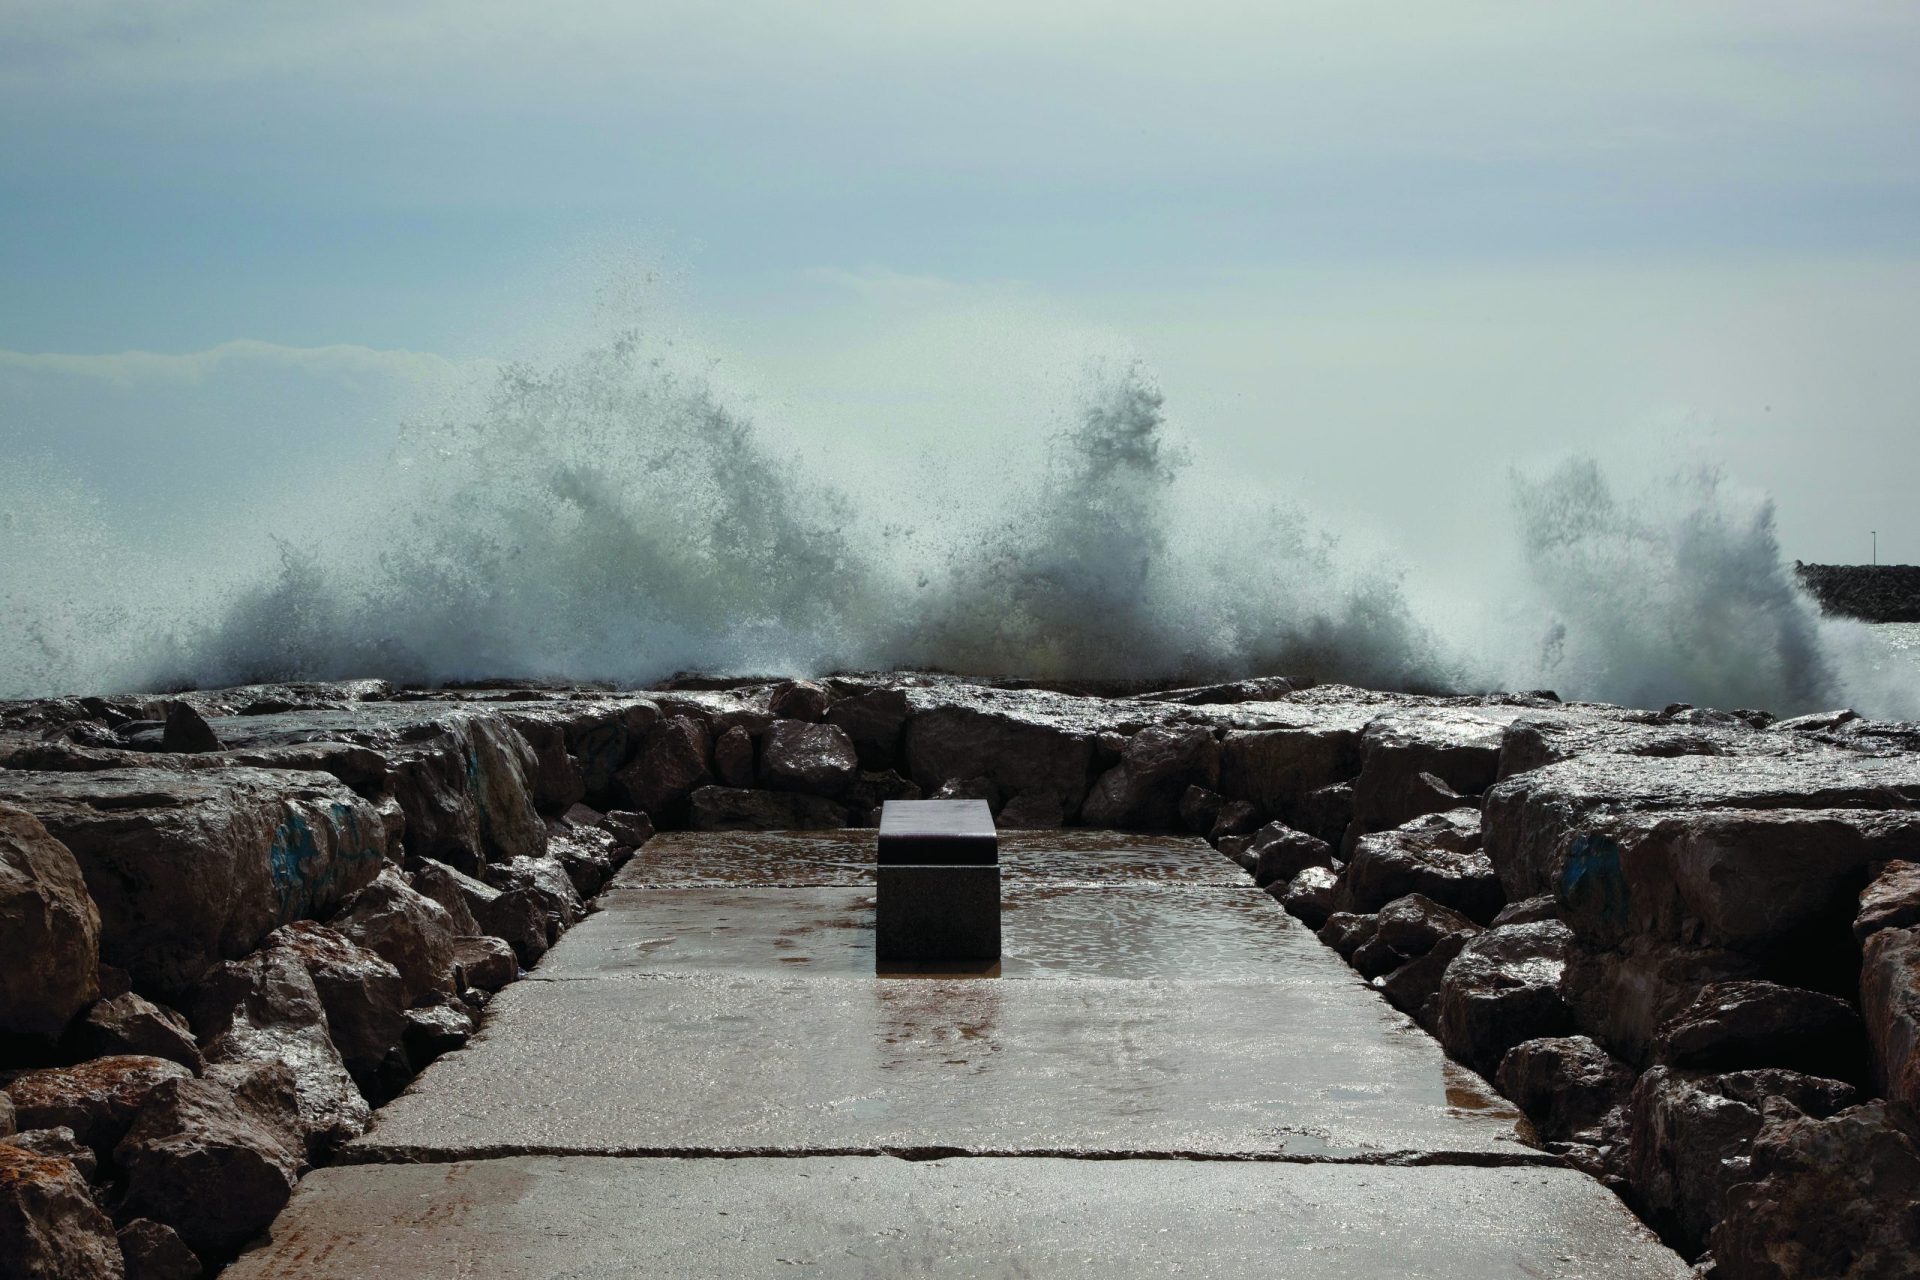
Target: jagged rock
1346	932
199	1161
1827	1199
1415	924
188	868
1503	988
1308	897
670	763
1019	741
1032	811
1156	767
1735	1025
1237	818
600	738
434	1030
7	1119
455	891
726	809
267	1009
631	829
364	996
1436	855
876	787
733	758
51	927
131	1024
1624	996
972	789
1565	1084
97	1100
548	883
874	720
485	962
1276	769
555	777
155	1251
1689	1136
1892	901
1527	911
577	817
187	731
407	929
816	759
49	1224
1325	813
1200	809
1890	1004
1239	849
1414	987
1421	760
800	700
60	1143
1259	689
589	856
1280	853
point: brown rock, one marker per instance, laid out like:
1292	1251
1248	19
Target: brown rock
60	1143
205	1165
1010	739
433	1030
1346	932
1892	901
131	1024
49	1225
1032	811
733	758
187	730
1280	853
1731	1026
1624	996
407	929
631	829
725	809
155	1251
484	962
1436	855
1277	768
97	1100
1413	925
546	881
1308	897
364	996
455	891
1503	988
670	763
1527	911
1325	813
815	759
1421	760
1890	1004
800	700
51	928
874	721
1156	767
589	856
1414	988
1200	809
1237	818
1565	1084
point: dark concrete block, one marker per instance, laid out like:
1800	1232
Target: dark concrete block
938	833
937	914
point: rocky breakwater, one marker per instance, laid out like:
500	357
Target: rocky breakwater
1686	943
1870	592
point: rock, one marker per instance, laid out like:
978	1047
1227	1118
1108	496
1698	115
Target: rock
972	789
1308	897
1623	996
1276	769
589	856
1503	988
1414	987
1259	689
1527	911
130	1024
578	817
188	731
189	868
1436	855
8	1121
199	1161
49	1224
1731	1026
1420	760
726	809
97	1100
485	962
1019	741
1689	1135
670	763
1280	853
547	883
266	1009
1240	850
364	996
1325	813
1892	901
815	759
155	1251
1200	809
51	928
1836	1197
1565	1084
1237	818
1347	933
1156	767
876	787
1032	811
1414	925
629	828
1890	1004
455	891
800	700
434	1030
874	720
733	758
407	929
60	1143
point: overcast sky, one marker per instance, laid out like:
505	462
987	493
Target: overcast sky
1376	253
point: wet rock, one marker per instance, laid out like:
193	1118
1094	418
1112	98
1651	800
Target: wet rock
1689	1137
187	730
555	778
1890	1004
188	868
817	759
1565	1084
1836	1197
1280	853
434	1030
1892	901
1436	855
1527	911
266	1009
1237	818
733	758
1414	925
1156	767
1731	1026
51	927
876	787
601	736
61	1144
1414	987
1325	813
1623	996
407	929
1026	740
800	700
7	1119
1346	932
484	962
364	996
49	1224
631	829
1200	809
199	1161
130	1024
547	883
972	789
671	761
1308	897
455	891
1277	768
589	856
155	1251
727	809
874	721
1503	988
1032	811
1239	849
97	1100
1423	760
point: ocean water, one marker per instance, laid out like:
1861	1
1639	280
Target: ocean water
609	516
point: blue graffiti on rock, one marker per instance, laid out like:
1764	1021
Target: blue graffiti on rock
305	878
1592	884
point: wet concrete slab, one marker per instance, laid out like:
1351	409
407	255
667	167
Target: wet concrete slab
1056	932
822	859
587	1219
1303	1068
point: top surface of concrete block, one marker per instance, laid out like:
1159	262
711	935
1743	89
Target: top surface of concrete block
938	832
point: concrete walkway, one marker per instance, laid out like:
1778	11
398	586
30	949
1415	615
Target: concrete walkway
1166	1075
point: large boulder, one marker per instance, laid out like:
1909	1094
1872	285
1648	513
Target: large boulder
1421	760
155	1251
191	868
1280	853
815	759
1156	767
50	1227
204	1163
1890	1004
547	882
731	809
1826	1199
1566	1084
364	996
1308	897
97	1100
1017	740
1503	988
672	758
131	1024
475	907
1279	768
1892	901
49	929
1623	996
874	720
733	758
1437	855
1731	1026
407	929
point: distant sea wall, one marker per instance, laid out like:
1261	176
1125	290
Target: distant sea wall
1870	592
